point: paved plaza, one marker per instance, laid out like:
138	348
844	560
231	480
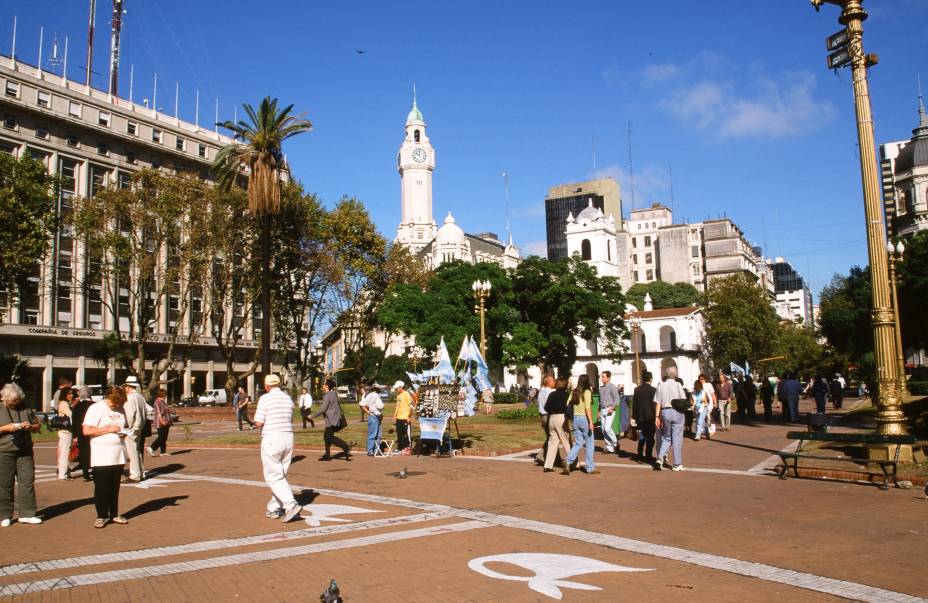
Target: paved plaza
475	529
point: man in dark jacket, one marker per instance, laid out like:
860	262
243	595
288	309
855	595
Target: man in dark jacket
332	411
643	414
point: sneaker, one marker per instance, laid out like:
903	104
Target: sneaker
6	523
120	520
594	472
153	452
678	468
32	520
696	439
275	514
291	513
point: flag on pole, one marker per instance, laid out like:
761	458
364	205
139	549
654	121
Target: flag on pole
443	370
464	354
477	356
736	369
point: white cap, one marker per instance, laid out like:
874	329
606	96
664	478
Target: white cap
398	384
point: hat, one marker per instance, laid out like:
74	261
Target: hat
398	385
271	380
132	381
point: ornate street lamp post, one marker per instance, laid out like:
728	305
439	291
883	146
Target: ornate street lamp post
635	323
895	255
481	293
849	44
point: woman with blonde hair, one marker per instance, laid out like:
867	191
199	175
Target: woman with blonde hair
17	424
105	425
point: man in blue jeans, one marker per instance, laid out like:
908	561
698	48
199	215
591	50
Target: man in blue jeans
669	421
372	404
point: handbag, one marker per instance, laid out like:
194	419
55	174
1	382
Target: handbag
59	422
681	404
74	453
342	422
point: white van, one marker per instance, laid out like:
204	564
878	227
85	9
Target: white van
96	391
213	397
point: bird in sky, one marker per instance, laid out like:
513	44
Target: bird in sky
360	50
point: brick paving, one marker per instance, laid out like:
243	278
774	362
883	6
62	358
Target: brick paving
722	531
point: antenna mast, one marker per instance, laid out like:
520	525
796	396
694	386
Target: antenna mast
114	47
93	12
506	185
631	168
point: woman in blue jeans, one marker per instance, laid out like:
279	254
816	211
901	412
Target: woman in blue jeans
582	402
702	406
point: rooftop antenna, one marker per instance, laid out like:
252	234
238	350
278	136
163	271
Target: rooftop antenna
93	16
13	51
114	47
505	176
670	171
41	39
631	168
131	80
154	95
176	98
54	59
64	73
216	126
196	119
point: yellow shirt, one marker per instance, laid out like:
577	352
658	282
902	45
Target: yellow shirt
585	407
403	406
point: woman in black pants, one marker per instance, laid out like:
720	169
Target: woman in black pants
162	423
77	423
105	425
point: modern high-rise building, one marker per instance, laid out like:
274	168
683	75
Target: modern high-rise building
91	139
571	199
792	292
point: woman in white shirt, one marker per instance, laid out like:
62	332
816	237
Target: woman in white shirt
105	425
64	435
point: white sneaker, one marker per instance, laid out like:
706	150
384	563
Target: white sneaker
275	514
153	452
33	520
678	468
290	513
6	523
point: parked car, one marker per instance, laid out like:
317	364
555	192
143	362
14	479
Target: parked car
96	391
346	394
213	397
188	401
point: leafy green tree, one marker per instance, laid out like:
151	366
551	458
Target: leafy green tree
370	363
28	219
664	295
844	313
740	322
259	149
113	349
803	351
558	302
913	291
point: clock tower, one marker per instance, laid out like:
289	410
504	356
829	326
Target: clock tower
415	163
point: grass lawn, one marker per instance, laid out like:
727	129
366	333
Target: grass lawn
481	434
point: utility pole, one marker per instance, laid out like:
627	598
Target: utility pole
114	48
93	13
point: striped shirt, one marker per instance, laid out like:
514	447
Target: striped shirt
275	411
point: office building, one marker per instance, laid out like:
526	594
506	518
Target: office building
573	198
794	298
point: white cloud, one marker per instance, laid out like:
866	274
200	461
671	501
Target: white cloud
539	248
712	94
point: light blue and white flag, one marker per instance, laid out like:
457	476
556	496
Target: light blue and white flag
443	370
482	381
432	428
464	354
736	369
477	356
747	368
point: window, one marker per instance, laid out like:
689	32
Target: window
201	151
695	251
155	135
180	144
103	149
155	163
585	252
43	99
649	275
131	157
132	128
12	89
72	140
123	180
634	242
649	258
41	132
415	136
635	276
74	109
104	119
647	241
9	122
608	251
98	176
8	148
634	258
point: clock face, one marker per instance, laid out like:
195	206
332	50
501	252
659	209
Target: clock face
419	155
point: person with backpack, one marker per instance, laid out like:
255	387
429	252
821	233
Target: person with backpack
668	401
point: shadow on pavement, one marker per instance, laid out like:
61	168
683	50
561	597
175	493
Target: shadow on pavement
306	497
176	452
155	505
64	508
715	440
169	468
298	458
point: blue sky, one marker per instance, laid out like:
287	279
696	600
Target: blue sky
733	98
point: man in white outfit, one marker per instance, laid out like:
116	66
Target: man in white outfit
608	405
274	417
136	416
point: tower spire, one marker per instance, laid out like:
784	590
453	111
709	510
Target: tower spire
922	116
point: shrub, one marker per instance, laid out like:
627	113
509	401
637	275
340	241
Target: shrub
918	388
506	398
519	414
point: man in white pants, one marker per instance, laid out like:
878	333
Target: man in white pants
608	405
274	417
136	416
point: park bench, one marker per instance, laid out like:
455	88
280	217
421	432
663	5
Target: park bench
846	438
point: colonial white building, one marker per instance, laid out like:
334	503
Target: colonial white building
417	230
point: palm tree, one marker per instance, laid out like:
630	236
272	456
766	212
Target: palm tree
258	154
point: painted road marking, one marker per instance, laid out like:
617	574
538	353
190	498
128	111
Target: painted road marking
213	545
831	586
548	570
645	467
761	467
181	567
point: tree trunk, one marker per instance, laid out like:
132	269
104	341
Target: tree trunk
265	293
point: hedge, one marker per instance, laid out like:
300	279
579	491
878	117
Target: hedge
506	398
517	414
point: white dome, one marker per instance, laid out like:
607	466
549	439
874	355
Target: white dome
450	233
589	213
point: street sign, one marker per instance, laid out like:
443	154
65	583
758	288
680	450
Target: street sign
837	40
839	59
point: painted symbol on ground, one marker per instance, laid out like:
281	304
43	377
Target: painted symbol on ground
316	514
549	569
154	482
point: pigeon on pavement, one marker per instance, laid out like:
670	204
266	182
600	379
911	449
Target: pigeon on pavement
402	473
331	594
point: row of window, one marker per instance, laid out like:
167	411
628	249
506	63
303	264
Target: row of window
647	241
104	118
